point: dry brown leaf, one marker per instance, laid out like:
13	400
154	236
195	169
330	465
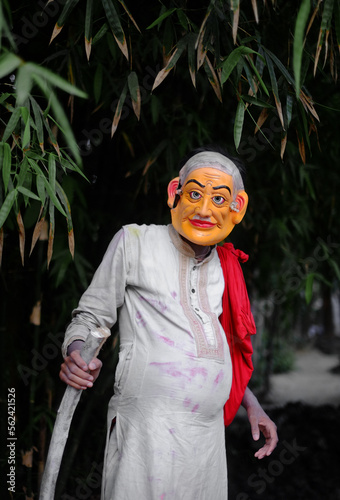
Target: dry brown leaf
148	164
283	145
71	242
21	237
302	149
317	53
215	82
235	23
35	317
163	73
279	110
123	46
308	104
88	47
56	30
261	119
313	17
256	12
27	457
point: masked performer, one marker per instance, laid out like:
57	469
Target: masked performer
183	366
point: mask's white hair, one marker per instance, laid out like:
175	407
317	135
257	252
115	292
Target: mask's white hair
215	160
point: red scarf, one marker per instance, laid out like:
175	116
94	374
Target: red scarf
238	323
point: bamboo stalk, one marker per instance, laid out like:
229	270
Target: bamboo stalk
62	424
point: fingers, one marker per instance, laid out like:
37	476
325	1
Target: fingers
269	431
76	373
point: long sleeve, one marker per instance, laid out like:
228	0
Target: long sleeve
98	305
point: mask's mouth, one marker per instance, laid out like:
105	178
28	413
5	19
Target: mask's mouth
202	222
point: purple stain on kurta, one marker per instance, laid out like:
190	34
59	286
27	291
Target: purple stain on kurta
219	377
198	371
173	295
187	402
170	369
195	408
167	341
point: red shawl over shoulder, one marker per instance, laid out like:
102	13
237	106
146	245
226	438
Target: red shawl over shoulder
238	323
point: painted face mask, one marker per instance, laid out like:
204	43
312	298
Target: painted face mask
206	206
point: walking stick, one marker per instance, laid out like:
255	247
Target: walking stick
90	349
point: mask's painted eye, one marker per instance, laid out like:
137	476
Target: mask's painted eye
195	195
218	200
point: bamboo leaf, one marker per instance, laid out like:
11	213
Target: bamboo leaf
38	122
21	229
232	60
38	228
324	27
119	109
47	186
213	78
261	119
8	63
256	12
115	26
161	18
281	67
238	125
12	123
129	14
337	22
63	198
27	192
62	120
289	108
51	234
68	7
5	163
283	145
7	205
134	93
235	7
88	27
309	287
23	83
298	44
201	50
163	73
191	57
258	76
41	188
39	73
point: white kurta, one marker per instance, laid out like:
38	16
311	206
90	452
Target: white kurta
174	371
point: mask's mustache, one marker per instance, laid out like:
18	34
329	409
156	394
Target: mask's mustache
204	219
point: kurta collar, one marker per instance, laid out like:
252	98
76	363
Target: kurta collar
184	248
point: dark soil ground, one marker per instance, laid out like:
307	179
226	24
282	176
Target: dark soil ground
305	464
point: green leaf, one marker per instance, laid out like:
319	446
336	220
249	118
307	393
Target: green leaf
309	287
88	20
23	83
39	72
68	7
61	118
27	192
41	188
133	85
281	67
8	63
5	163
115	26
258	75
161	18
238	125
7	205
12	123
100	33
300	26
52	171
229	64
38	120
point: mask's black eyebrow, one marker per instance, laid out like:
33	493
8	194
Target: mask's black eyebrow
223	186
196	182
